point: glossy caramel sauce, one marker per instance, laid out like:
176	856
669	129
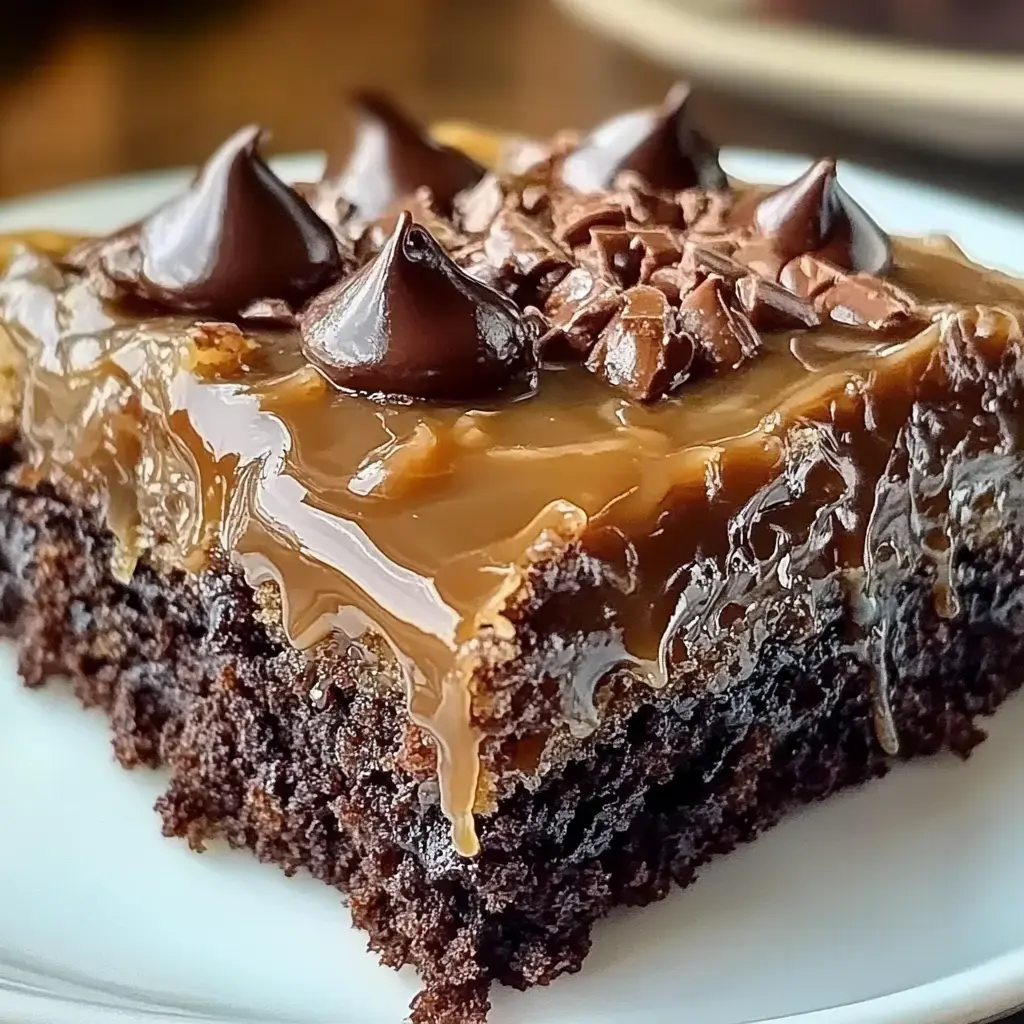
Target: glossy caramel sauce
410	520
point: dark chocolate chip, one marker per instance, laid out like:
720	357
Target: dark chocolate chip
815	215
238	236
412	323
393	157
659	144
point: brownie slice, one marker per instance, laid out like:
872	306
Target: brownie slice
784	552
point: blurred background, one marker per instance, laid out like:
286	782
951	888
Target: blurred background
930	88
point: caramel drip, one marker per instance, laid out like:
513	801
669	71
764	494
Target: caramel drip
411	522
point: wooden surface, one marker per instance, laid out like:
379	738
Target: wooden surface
96	100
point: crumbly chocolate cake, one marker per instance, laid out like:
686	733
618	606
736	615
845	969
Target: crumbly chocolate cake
500	545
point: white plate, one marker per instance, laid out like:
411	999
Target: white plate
897	904
965	102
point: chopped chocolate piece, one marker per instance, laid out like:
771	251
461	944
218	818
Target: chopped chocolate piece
724	337
658	144
642	351
862	300
770	307
815	215
513	241
808	276
575	215
393	157
239	235
476	207
859	300
579	307
629	256
412	323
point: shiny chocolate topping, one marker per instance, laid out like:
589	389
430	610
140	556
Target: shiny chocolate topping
659	144
239	235
392	157
410	322
419	538
814	215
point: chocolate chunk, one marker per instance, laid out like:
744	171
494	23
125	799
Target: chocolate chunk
770	307
857	300
659	144
514	242
393	157
476	208
712	261
580	306
238	236
860	300
808	276
815	215
612	256
412	323
574	215
641	350
629	256
724	337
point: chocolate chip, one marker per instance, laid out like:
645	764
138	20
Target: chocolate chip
238	236
641	350
393	156
659	144
412	323
815	215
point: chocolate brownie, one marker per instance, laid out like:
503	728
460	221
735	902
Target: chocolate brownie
500	545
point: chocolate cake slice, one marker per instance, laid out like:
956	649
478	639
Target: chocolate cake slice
499	545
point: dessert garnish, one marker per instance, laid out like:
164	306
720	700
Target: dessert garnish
237	236
658	143
410	322
643	351
392	157
814	215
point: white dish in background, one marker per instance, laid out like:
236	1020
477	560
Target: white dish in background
969	103
896	904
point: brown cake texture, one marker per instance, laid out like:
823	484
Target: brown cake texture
781	595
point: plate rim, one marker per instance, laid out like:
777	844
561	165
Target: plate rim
929	77
985	992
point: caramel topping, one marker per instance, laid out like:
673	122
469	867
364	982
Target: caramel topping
406	474
402	521
410	322
815	215
237	236
658	144
393	156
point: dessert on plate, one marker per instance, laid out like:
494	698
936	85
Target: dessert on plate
501	543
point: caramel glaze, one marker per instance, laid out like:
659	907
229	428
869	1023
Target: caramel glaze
414	522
